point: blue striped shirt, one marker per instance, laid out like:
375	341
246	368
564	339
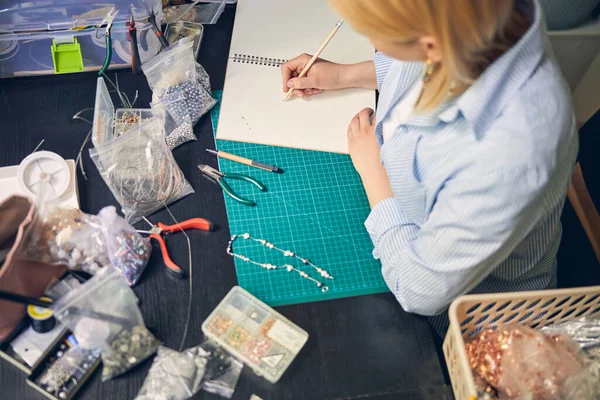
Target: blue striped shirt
479	183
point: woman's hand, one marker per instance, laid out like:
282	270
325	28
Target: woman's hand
363	146
365	153
325	75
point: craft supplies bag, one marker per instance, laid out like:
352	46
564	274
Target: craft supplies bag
179	375
523	363
127	250
178	125
103	313
70	237
174	73
141	172
18	218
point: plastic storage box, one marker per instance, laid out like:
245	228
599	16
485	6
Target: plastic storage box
183	29
110	123
60	36
255	333
472	313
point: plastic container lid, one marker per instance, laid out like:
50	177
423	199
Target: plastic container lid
254	333
104	115
42	15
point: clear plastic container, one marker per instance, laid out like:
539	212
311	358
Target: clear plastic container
129	118
110	123
183	29
28	30
253	332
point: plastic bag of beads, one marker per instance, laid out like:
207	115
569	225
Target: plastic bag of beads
141	172
103	313
178	126
127	250
173	65
70	237
172	74
586	333
179	375
520	362
203	78
225	383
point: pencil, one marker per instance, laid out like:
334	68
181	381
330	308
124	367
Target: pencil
315	56
246	161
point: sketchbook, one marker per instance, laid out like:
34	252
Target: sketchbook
267	33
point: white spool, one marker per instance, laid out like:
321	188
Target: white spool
44	168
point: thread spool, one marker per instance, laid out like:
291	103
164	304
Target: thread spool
42	319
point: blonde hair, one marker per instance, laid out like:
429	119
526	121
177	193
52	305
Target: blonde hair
471	33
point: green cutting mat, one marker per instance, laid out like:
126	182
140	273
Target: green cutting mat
317	209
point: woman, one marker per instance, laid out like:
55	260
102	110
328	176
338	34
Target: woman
468	159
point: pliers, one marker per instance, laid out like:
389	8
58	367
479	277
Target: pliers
159	231
217	177
136	61
108	21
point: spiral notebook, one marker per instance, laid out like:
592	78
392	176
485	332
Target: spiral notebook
267	33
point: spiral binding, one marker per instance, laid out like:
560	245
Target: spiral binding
247	59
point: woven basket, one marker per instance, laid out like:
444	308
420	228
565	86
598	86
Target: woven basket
472	313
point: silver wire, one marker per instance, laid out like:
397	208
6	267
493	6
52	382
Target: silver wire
38	146
191	279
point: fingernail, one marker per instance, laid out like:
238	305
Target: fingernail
290	83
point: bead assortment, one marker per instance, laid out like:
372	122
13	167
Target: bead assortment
238	337
66	369
131	256
220	324
255	334
128	349
180	135
68	236
286	253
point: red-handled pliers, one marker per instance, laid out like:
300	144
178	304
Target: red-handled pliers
158	231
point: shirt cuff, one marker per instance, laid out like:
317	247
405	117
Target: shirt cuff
384	216
382	66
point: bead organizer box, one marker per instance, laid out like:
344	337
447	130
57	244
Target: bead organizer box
254	333
65	369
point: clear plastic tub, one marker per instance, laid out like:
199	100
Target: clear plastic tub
254	333
29	29
129	118
110	123
183	29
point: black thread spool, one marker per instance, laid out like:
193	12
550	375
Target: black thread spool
42	319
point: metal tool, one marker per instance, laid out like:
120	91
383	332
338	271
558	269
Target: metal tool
157	31
217	177
159	231
136	61
108	21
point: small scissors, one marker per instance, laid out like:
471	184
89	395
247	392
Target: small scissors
217	177
157	232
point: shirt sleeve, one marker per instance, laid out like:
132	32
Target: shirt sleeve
475	224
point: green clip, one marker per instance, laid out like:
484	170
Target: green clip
67	57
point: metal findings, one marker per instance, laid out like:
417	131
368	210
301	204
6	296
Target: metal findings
286	253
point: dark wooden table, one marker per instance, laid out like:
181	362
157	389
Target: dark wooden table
362	347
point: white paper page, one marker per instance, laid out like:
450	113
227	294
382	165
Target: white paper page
252	110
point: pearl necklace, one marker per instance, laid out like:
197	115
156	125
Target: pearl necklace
286	253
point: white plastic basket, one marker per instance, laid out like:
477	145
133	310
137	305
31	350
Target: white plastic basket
472	313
